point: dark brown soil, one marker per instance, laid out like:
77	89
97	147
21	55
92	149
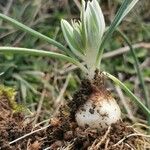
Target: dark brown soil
91	138
12	126
63	131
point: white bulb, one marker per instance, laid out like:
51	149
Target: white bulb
98	112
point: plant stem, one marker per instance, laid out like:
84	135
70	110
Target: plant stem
35	33
139	73
35	52
134	98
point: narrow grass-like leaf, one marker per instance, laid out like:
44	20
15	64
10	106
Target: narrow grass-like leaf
1	73
125	8
139	73
131	5
23	90
133	97
36	52
35	33
18	77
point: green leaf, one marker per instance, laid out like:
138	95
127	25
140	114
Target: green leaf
133	97
35	52
69	32
125	8
94	25
35	33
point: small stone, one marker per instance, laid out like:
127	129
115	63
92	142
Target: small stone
54	121
68	135
35	146
57	144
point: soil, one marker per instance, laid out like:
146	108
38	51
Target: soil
63	132
13	126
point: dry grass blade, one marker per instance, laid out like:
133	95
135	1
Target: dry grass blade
96	146
60	97
26	135
130	135
125	49
103	138
40	103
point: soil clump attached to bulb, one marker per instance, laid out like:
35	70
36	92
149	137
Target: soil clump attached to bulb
63	131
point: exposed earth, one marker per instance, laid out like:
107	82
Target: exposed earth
62	131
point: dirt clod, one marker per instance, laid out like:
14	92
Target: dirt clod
80	97
35	146
68	135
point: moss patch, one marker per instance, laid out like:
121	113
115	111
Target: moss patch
10	94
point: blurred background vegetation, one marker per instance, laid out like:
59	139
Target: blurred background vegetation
43	84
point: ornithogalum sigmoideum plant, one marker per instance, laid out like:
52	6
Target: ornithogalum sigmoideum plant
86	39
